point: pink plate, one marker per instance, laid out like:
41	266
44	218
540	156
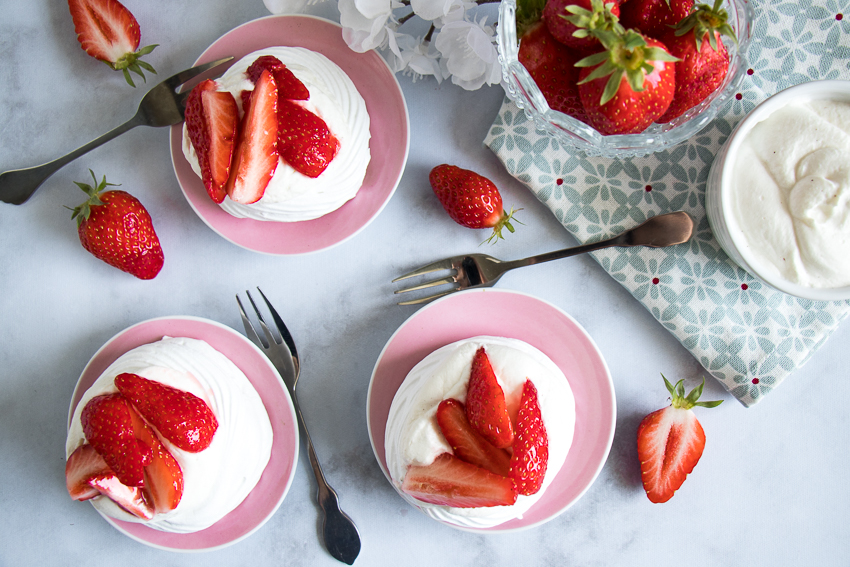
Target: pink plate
267	496
389	144
482	312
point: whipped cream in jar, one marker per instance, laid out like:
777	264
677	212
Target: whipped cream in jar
778	195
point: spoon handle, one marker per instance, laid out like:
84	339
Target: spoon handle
342	539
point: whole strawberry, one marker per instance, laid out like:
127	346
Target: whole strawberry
552	66
471	199
670	442
654	17
704	60
115	227
628	86
108	32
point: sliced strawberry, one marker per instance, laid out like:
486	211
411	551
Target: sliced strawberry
304	140
222	118
130	498
246	100
466	443
448	481
84	464
289	87
211	121
256	156
670	442
485	403
181	417
531	446
108	31
107	425
163	475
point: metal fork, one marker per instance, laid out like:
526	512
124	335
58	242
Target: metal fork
480	270
161	106
340	534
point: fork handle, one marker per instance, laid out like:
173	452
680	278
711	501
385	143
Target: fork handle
342	540
18	185
619	240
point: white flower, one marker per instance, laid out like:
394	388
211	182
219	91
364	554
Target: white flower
434	9
414	56
285	6
365	22
468	54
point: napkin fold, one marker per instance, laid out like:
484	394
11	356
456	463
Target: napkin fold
745	333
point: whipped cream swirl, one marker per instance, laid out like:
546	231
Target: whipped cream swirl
216	480
414	438
290	195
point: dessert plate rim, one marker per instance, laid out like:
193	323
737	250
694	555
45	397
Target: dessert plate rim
389	128
264	500
543	325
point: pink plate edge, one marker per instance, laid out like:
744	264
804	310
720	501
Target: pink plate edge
592	449
266	380
382	176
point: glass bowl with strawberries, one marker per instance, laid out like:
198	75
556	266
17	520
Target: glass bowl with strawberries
595	75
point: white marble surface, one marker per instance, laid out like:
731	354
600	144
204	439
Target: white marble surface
771	488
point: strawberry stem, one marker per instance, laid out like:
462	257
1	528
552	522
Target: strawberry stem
591	22
133	62
82	211
626	55
680	400
504	222
706	20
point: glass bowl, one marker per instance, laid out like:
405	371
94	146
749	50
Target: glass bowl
573	133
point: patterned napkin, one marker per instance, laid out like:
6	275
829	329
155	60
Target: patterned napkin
748	335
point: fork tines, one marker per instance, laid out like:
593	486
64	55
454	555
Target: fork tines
447	264
183	76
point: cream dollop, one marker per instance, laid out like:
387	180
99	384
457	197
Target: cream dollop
216	480
791	198
414	438
290	195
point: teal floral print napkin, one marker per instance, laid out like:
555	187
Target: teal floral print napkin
745	333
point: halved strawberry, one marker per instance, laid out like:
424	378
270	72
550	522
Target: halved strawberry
84	464
256	156
107	425
304	140
485	403
288	85
531	445
212	118
130	498
466	443
181	417
108	31
670	442
449	481
163	475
